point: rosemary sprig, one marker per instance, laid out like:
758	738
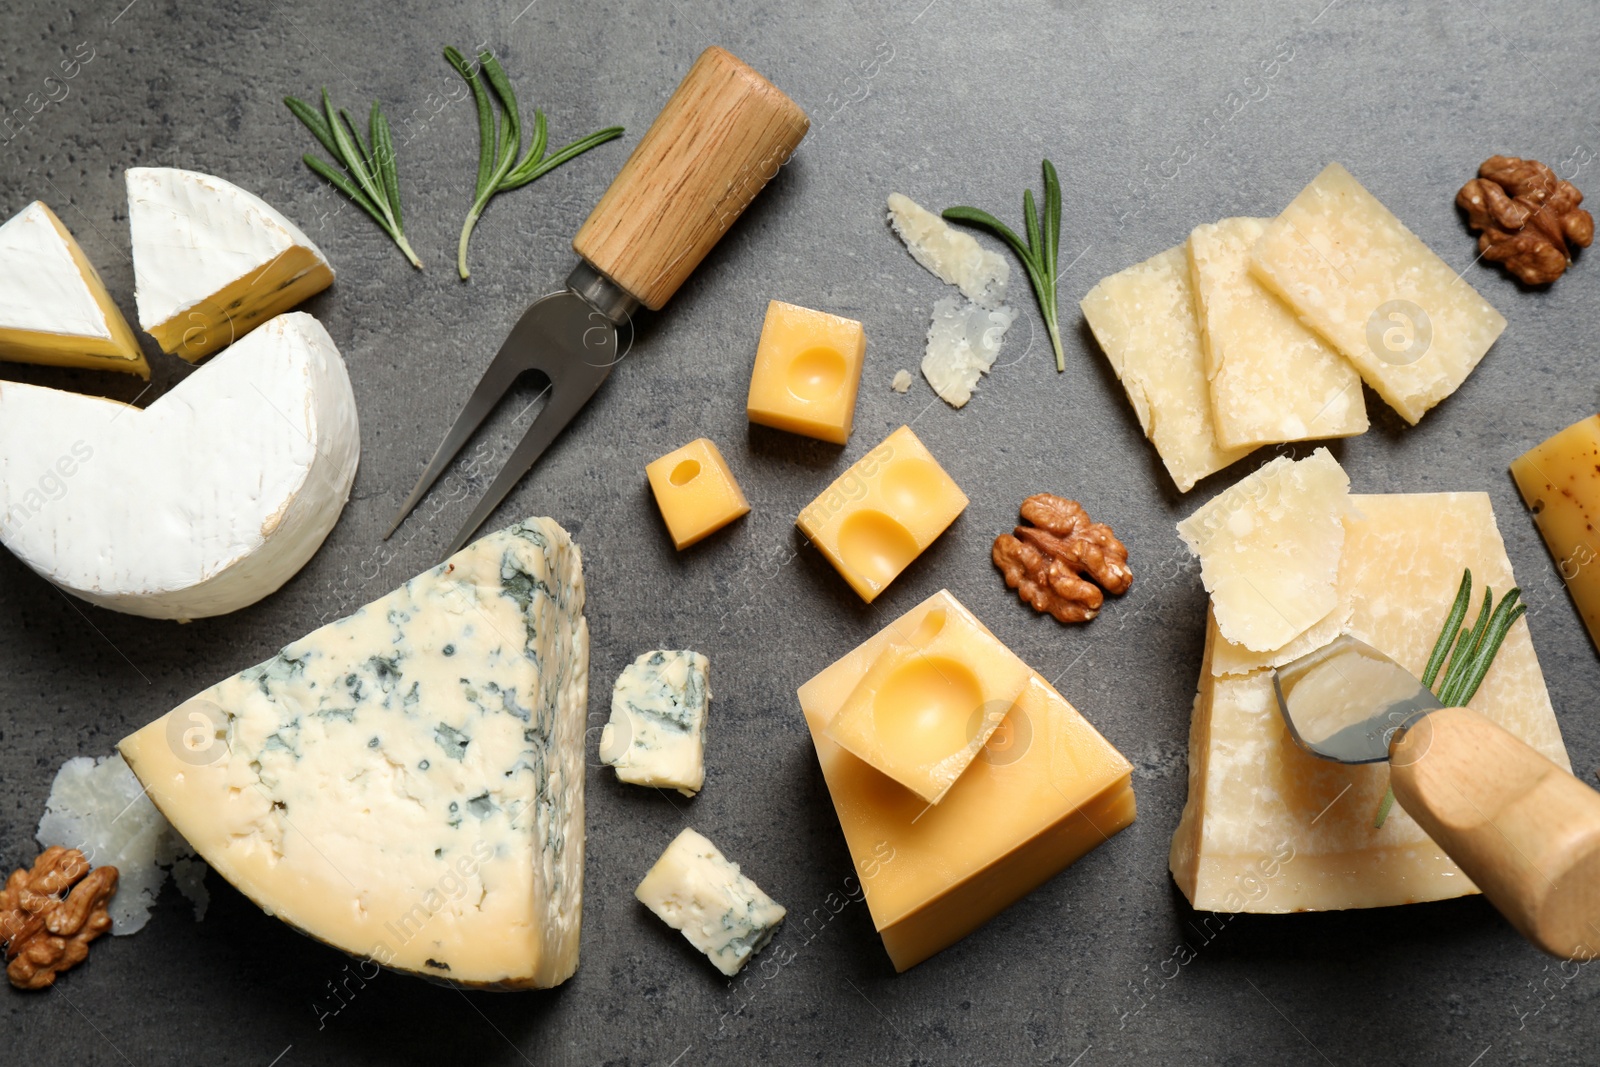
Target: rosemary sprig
1040	254
1471	653
369	179
500	141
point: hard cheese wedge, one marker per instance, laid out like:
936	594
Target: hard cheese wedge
1356	275
883	512
202	503
1269	549
1045	790
212	262
928	704
1268	828
1145	322
807	372
1560	483
54	309
1272	379
406	784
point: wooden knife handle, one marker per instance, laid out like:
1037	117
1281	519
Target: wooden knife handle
721	137
1523	829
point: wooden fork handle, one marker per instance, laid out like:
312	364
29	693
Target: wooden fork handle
720	138
1525	830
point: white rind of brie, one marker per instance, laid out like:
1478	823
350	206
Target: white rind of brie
41	288
211	261
202	503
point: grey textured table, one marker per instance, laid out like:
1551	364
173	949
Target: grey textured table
1159	117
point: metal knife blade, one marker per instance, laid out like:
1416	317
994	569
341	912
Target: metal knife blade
1346	701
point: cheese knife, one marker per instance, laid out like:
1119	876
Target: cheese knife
1523	829
721	136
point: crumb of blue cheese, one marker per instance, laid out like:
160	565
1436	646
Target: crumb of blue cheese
657	731
696	890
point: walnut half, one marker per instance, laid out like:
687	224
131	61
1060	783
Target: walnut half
49	915
1048	562
1530	219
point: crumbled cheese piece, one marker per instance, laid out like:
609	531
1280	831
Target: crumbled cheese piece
657	732
954	256
1269	549
98	807
963	343
694	889
901	382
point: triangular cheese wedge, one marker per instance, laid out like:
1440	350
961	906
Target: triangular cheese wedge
202	503
212	262
54	309
1269	828
406	784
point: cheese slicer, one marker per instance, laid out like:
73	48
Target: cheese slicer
1523	829
721	136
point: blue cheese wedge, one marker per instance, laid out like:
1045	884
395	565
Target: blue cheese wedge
657	732
406	784
694	889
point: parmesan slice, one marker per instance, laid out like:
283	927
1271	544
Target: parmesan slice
1268	828
1356	275
953	256
1272	380
1145	322
1269	549
963	342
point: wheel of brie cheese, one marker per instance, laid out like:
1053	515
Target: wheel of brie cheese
202	503
212	262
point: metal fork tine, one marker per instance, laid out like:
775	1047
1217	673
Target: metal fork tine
496	380
564	404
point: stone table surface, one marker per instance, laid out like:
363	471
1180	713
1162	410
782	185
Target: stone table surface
1159	117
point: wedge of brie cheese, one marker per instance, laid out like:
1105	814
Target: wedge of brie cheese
53	307
207	500
406	784
212	262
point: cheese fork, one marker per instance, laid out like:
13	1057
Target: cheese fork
721	136
1523	829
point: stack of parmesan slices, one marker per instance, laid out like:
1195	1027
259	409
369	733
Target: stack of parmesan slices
221	489
1292	559
1261	331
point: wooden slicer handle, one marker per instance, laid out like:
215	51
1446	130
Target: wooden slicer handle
1526	831
719	139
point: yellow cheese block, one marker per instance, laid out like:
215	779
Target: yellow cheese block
54	309
1145	322
1269	549
1272	379
938	689
1356	275
883	512
1560	483
808	371
1045	790
1268	828
695	491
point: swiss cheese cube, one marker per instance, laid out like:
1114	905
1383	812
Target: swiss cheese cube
927	705
1269	828
1144	319
696	492
1045	790
1356	275
1269	549
1560	483
883	512
54	309
1272	380
807	373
